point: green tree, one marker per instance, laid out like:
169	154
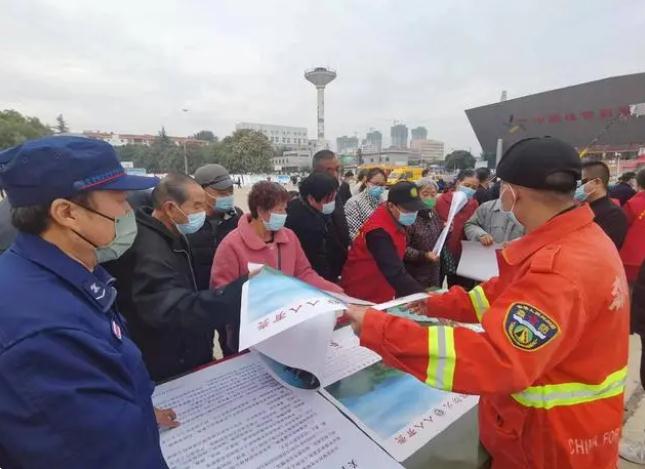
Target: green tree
246	151
206	135
460	159
61	125
16	128
162	137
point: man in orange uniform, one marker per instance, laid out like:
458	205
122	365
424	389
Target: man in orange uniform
552	362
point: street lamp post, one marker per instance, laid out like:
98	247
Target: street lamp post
185	154
185	159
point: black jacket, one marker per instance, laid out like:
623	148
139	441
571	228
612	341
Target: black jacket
381	247
319	240
483	195
344	192
204	243
611	219
623	192
339	225
168	318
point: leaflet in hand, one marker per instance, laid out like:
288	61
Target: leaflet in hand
459	201
478	262
289	324
401	308
273	302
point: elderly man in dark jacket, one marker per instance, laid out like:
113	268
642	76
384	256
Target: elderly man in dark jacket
169	318
222	217
309	216
325	161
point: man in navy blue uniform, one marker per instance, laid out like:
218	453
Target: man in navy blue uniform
74	391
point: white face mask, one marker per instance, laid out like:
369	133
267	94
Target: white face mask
509	211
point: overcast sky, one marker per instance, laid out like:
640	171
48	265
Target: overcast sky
131	66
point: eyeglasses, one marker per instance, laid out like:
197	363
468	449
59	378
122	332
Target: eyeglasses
586	180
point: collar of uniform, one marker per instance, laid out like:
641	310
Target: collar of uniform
96	286
553	230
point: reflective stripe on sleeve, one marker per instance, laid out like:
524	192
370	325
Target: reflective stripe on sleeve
479	301
441	357
554	395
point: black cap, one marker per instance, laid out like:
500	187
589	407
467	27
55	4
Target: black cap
531	161
406	194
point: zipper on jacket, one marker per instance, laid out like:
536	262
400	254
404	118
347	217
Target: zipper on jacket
190	265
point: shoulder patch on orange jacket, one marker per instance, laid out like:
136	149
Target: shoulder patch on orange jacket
543	260
528	328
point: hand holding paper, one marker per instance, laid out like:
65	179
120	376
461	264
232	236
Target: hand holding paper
356	315
459	201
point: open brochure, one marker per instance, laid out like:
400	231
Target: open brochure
235	415
395	409
284	405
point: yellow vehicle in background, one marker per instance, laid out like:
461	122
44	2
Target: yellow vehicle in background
404	173
387	168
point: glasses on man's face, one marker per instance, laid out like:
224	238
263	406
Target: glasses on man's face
586	180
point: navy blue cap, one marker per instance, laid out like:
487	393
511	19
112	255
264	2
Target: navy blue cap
39	171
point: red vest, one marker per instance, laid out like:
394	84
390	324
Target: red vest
361	276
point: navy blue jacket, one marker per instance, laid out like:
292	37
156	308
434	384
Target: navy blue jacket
74	391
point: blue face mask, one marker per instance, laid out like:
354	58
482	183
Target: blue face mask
194	224
276	221
469	191
581	195
407	219
328	208
224	204
375	192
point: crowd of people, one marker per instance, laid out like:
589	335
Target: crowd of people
91	245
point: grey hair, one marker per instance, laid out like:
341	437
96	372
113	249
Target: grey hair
421	183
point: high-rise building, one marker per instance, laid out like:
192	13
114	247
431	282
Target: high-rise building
420	133
374	139
280	136
431	151
346	145
399	136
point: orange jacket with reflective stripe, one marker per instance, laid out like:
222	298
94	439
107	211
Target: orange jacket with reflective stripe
551	364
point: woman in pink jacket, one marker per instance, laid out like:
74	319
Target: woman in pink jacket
262	239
